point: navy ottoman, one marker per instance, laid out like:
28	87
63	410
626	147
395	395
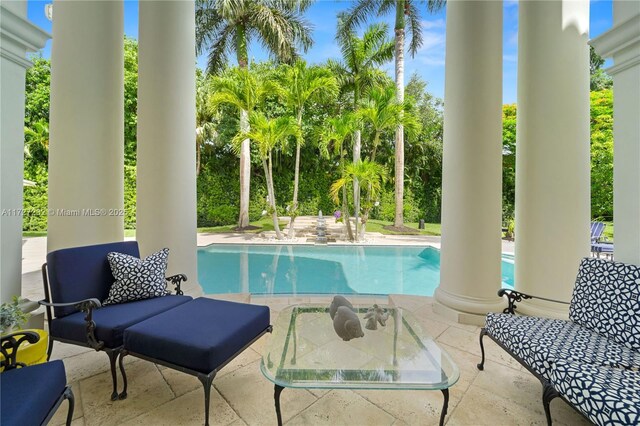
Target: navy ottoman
198	337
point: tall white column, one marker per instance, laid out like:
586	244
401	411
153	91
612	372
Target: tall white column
166	208
622	43
472	162
17	37
86	148
552	149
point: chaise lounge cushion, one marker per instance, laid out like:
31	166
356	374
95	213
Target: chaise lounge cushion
541	341
606	395
112	320
80	273
36	387
228	327
606	299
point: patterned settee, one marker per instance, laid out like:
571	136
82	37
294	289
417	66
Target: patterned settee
592	361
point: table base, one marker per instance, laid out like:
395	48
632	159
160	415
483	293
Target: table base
278	390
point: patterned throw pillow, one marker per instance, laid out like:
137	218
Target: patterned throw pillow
137	279
606	299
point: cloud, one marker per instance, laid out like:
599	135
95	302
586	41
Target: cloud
435	24
433	48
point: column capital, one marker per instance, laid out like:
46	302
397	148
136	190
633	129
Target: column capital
18	36
621	41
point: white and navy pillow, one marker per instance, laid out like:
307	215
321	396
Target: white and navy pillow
137	279
606	299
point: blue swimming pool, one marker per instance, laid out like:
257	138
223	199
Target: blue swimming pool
304	269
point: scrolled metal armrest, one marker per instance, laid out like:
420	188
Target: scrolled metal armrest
9	347
177	280
82	305
514	296
87	306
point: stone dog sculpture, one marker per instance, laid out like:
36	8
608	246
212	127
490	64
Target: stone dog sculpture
345	321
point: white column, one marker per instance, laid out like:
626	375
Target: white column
17	37
166	208
86	151
622	43
472	162
552	149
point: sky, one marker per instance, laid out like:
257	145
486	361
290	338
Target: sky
428	62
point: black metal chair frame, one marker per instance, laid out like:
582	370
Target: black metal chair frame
205	379
548	391
9	349
87	306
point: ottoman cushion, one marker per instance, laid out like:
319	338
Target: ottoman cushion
199	335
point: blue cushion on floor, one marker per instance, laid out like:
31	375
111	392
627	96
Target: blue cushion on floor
607	396
80	273
28	394
200	335
111	320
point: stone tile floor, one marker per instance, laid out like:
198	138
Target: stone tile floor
503	394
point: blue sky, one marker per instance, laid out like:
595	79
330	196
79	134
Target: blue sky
429	62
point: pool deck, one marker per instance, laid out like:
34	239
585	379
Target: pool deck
503	394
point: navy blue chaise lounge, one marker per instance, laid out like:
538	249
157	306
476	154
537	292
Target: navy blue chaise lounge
76	280
30	395
197	337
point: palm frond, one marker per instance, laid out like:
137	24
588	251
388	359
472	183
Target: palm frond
415	29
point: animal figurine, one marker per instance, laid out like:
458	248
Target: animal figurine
346	324
375	315
336	303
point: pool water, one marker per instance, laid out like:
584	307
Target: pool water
304	269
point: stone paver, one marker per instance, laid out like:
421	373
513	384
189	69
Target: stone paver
503	394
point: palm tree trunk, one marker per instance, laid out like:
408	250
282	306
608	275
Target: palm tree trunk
296	179
357	146
197	157
345	211
272	197
245	150
245	172
399	68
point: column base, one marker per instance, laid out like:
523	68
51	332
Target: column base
464	309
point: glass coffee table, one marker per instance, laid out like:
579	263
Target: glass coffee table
305	352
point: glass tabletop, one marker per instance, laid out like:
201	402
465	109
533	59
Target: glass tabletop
305	351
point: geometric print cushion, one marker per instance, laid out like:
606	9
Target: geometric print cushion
539	342
607	396
606	299
137	279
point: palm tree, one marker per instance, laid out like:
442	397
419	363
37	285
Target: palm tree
225	26
358	73
406	13
381	113
333	137
269	134
300	85
370	175
205	116
243	89
37	135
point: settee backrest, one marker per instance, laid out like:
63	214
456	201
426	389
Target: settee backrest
606	299
80	273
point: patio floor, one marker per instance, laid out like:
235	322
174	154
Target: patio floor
503	394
